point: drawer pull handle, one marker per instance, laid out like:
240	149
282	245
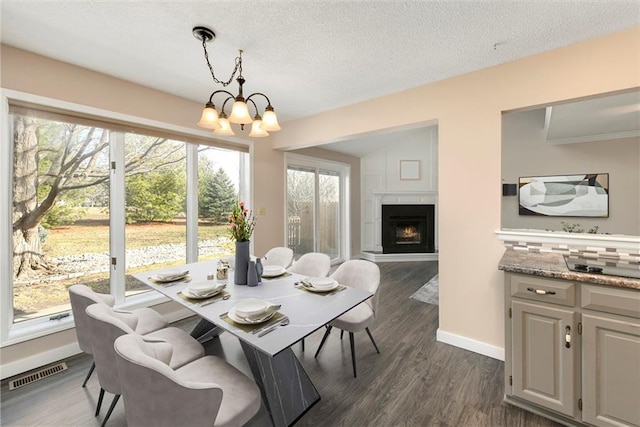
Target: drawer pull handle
541	291
567	337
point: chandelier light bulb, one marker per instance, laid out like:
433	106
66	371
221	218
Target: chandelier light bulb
225	126
240	113
209	119
256	129
270	120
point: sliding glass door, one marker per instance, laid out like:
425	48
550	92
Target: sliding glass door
316	208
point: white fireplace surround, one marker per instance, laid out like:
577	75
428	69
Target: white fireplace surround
373	227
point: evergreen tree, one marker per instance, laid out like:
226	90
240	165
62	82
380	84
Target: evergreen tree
217	194
156	196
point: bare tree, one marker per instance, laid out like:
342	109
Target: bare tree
53	158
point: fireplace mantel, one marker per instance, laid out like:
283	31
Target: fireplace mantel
405	197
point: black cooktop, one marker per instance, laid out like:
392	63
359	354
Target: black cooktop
598	266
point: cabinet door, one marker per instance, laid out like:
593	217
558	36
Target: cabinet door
611	371
543	366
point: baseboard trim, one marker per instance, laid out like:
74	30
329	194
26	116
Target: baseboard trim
378	257
37	360
470	344
54	355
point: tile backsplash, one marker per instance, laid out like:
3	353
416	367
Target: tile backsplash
618	256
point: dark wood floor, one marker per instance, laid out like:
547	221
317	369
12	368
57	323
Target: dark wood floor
415	381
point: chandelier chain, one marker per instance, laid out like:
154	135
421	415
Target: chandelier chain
237	68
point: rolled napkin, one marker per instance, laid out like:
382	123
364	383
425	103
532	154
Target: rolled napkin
173	273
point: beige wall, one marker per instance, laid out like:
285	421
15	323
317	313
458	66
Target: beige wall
525	152
468	110
268	193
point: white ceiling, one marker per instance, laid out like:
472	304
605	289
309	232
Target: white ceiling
307	56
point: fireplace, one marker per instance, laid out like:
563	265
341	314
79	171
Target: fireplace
408	229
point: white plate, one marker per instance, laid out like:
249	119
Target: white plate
273	271
190	294
323	289
244	321
251	307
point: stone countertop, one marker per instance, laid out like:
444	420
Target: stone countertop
552	265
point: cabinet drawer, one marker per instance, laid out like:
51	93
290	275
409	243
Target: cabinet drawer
546	290
625	302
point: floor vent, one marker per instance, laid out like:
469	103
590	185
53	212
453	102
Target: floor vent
42	373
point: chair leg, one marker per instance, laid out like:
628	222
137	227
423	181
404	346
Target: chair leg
93	366
113	405
353	354
302	341
100	397
324	338
371	337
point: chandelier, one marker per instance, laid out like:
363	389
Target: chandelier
217	120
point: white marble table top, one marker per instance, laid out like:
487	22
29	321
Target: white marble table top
307	311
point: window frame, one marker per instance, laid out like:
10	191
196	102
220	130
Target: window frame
11	333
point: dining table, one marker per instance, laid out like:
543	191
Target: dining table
287	391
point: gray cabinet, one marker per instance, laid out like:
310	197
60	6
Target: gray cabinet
543	362
572	350
611	356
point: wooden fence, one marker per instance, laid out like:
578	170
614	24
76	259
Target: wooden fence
300	227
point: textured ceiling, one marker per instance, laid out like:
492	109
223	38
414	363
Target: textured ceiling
307	56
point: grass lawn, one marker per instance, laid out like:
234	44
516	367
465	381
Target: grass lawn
94	238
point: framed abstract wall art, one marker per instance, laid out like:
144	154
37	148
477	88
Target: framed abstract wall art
584	195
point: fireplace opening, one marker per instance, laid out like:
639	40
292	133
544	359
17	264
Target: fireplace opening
408	234
408	229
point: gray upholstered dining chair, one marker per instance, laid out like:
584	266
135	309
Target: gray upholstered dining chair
278	256
106	324
362	275
82	296
205	392
312	264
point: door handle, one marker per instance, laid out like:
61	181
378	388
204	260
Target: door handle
567	337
